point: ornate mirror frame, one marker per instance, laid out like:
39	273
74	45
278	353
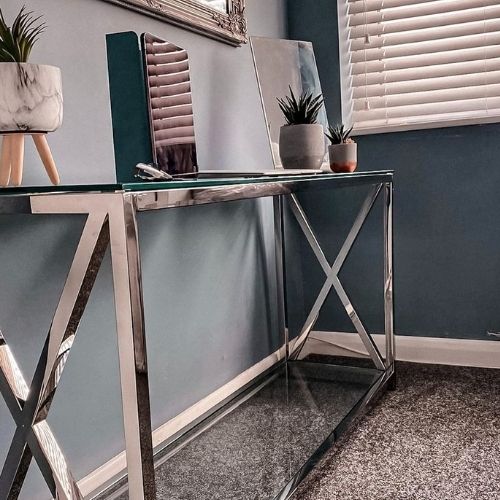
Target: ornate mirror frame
230	27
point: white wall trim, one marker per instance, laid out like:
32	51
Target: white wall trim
105	474
441	351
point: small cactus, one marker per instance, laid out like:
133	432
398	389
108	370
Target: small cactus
338	134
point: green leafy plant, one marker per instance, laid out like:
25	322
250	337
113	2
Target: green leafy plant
338	134
16	42
301	111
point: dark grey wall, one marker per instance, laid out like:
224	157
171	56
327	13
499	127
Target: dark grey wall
447	268
316	21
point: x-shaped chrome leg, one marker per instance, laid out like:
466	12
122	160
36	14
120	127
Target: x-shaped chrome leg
117	210
29	406
332	279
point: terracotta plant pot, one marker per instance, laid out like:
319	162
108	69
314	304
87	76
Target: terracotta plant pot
302	146
343	157
30	98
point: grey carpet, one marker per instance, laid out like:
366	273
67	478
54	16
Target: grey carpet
437	437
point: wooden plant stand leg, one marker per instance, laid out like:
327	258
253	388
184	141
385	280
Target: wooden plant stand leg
17	158
43	149
5	160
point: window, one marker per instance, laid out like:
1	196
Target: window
410	64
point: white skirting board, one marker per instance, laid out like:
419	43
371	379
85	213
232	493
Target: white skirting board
480	353
102	476
432	350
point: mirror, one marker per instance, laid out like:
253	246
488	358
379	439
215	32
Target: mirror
220	5
278	64
170	106
221	19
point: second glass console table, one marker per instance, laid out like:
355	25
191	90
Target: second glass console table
263	440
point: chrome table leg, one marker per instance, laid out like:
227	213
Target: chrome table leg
332	279
132	348
120	210
388	282
29	406
279	251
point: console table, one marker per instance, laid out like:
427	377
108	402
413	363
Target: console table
111	221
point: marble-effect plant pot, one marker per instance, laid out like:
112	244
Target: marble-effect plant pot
30	98
302	146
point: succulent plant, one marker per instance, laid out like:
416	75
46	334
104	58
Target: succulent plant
303	111
16	42
338	134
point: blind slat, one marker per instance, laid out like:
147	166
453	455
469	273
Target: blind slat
357	6
442	46
452	56
427	84
456	70
425	35
422	110
459	8
409	24
436	97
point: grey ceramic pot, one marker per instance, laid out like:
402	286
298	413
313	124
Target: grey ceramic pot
30	97
302	146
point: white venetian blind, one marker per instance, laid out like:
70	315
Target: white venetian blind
417	63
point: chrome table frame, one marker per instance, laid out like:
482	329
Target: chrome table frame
111	221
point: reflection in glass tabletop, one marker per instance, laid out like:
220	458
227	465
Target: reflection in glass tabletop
256	445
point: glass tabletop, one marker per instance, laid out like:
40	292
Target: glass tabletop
259	179
376	176
253	447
